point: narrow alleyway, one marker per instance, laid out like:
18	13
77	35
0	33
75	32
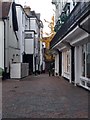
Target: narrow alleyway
42	96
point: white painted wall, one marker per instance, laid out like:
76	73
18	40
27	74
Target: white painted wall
29	46
77	64
57	64
65	73
21	23
29	43
27	23
10	33
12	48
2	44
34	26
41	54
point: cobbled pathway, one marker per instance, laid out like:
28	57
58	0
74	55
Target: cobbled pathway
42	96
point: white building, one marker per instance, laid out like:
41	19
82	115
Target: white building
36	26
72	43
20	35
29	32
1	46
21	18
9	26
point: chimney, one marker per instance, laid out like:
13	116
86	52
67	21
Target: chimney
27	10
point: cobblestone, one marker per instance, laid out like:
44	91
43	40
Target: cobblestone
42	96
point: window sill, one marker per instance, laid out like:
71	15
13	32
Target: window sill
85	79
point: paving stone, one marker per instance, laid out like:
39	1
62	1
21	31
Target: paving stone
42	96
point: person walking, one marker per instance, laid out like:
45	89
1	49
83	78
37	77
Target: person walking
52	71
49	72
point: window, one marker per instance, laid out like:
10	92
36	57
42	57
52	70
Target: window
67	61
22	17
83	60
28	36
86	60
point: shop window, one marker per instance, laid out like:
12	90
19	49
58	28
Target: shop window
83	60
67	61
28	36
86	60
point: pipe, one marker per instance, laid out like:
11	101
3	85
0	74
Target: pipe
4	72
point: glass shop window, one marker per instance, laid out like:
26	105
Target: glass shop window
68	61
86	60
83	60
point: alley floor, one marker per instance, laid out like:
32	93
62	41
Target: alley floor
42	96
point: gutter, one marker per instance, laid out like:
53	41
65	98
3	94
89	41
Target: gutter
80	26
16	36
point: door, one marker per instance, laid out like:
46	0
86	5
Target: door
60	63
27	58
72	64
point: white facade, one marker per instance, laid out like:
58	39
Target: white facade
21	32
15	43
12	48
57	64
29	42
75	49
34	25
1	44
66	64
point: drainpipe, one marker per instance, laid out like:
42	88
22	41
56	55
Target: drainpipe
29	23
4	50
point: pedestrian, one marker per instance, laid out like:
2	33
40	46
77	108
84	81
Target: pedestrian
52	71
49	72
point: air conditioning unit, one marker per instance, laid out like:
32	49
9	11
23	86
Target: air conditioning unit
19	70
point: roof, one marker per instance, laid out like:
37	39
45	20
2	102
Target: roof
5	6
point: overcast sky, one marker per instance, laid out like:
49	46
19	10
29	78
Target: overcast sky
44	7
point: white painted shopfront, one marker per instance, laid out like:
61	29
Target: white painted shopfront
1	45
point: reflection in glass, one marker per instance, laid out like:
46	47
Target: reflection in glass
88	60
83	61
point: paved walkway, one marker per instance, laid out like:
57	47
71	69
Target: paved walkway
43	97
0	98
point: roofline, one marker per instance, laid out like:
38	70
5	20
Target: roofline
30	31
22	9
26	14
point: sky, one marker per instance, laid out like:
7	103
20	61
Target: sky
44	7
